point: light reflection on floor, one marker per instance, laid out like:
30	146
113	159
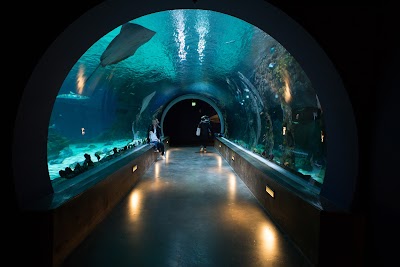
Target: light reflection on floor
189	209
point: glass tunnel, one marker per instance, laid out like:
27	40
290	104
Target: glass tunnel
259	97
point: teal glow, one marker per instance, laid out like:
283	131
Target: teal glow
240	68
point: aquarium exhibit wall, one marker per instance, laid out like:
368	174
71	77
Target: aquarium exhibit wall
268	104
276	92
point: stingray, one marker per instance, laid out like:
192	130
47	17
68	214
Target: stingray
125	44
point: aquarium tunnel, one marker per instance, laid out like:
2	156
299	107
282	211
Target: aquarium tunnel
266	85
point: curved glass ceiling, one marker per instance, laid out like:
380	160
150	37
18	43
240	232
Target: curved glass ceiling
132	73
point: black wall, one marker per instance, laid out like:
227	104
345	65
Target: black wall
359	40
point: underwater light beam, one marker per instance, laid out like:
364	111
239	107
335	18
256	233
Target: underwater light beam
179	21
202	26
287	94
80	80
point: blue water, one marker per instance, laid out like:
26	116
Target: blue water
256	83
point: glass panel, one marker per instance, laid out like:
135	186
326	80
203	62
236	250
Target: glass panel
131	74
281	113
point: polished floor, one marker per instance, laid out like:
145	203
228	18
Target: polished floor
189	209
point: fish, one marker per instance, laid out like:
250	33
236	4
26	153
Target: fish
124	45
146	101
72	96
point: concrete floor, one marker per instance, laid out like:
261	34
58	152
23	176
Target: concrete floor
189	209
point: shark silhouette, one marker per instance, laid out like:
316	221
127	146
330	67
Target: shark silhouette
124	45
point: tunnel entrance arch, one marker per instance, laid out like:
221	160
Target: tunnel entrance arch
341	175
192	97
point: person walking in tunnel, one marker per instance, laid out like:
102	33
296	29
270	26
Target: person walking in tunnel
154	136
205	132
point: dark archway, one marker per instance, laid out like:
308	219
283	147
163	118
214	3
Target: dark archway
181	121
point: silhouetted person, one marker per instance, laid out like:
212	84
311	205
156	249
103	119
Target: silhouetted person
205	132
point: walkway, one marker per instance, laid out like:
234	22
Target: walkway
189	209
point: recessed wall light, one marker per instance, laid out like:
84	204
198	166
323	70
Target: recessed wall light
270	191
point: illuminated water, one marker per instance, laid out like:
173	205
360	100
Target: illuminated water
269	106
